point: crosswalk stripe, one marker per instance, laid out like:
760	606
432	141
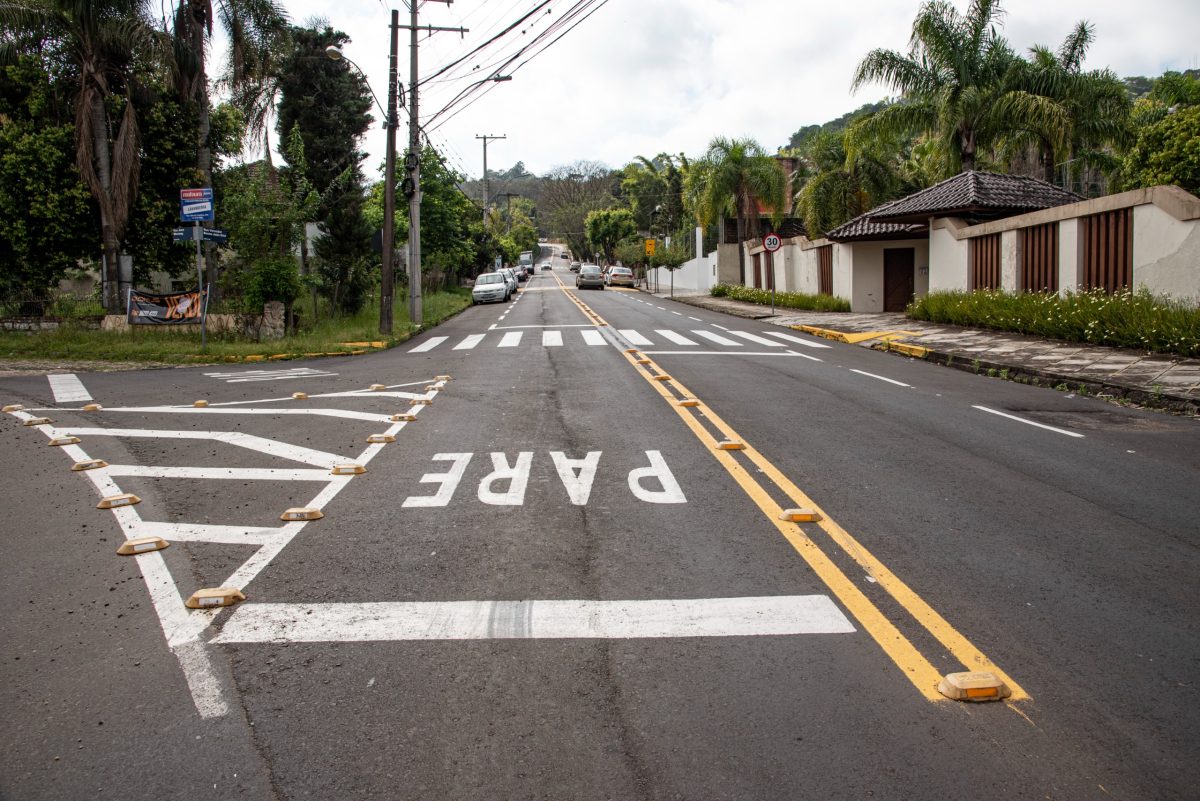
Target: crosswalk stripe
711	337
551	338
593	337
510	340
634	337
758	339
808	343
678	339
469	342
429	344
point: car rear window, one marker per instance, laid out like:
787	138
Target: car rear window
622	271
489	279
591	270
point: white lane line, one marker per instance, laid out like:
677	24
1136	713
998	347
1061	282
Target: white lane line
758	339
679	313
634	337
235	473
253	373
67	388
678	339
343	413
551	339
717	338
808	343
661	308
593	337
881	378
727	353
723	328
510	340
428	344
697	319
1029	422
493	620
469	342
202	681
271	447
282	377
209	532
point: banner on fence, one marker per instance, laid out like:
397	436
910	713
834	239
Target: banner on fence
178	308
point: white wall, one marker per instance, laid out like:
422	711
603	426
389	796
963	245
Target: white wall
1070	255
858	271
1166	253
947	257
696	275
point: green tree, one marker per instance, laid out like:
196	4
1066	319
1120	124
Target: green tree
1167	152
844	186
956	86
606	227
569	192
738	177
447	219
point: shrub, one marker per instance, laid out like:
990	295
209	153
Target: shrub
1125	319
788	300
270	279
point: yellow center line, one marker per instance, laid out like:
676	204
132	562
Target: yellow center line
919	670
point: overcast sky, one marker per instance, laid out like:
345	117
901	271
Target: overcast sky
640	77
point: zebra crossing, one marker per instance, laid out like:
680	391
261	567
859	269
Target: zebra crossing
554	337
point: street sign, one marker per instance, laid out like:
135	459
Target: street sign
182	234
650	247
196	205
772	243
215	235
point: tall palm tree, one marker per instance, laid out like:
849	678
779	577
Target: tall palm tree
737	176
954	83
843	187
104	41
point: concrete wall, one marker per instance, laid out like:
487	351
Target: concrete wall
727	264
1166	253
859	265
947	256
694	276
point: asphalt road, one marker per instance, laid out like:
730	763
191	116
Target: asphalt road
554	585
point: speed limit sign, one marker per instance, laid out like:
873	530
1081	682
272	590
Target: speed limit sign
772	243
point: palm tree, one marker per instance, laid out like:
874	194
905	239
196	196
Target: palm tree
954	83
843	187
104	41
737	176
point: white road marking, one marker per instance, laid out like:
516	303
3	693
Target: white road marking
244	376
68	388
428	344
758	339
1029	422
469	342
678	339
278	377
510	340
881	378
548	325
697	319
206	690
726	353
536	619
219	409
551	339
296	453
634	337
717	338
211	532
234	473
593	337
808	343
669	491
723	328
679	313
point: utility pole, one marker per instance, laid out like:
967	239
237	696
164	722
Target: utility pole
412	162
388	276
487	185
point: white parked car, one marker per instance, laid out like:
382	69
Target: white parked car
490	287
511	278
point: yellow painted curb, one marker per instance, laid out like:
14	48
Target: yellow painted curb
916	351
824	333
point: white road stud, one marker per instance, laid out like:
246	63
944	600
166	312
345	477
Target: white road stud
403	418
113	501
380	438
663	377
688	403
441	378
378	387
973	686
213	597
800	515
299	396
65	441
348	469
142	545
422	402
14	407
730	445
92	407
38	421
89	464
302	513
200	404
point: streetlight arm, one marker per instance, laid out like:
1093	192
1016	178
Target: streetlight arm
334	53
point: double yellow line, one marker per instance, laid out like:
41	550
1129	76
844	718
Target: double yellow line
702	421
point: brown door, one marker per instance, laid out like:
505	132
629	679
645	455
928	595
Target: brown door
757	270
898	281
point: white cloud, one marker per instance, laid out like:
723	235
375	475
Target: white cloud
644	76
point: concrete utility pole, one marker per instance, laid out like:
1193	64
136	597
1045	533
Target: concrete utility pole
412	162
388	276
487	185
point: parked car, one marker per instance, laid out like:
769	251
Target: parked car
522	276
619	276
489	287
511	278
589	276
574	266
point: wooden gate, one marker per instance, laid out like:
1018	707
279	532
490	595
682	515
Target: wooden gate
825	269
985	262
899	283
757	259
1108	250
1039	258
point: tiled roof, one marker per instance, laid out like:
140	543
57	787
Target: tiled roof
864	227
975	193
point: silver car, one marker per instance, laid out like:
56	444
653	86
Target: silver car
511	278
490	287
589	276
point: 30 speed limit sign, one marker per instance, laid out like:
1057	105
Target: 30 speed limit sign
772	243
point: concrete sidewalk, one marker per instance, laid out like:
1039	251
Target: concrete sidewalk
1157	380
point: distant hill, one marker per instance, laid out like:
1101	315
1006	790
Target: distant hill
801	137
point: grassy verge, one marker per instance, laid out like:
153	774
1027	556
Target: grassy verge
1127	320
787	300
329	335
